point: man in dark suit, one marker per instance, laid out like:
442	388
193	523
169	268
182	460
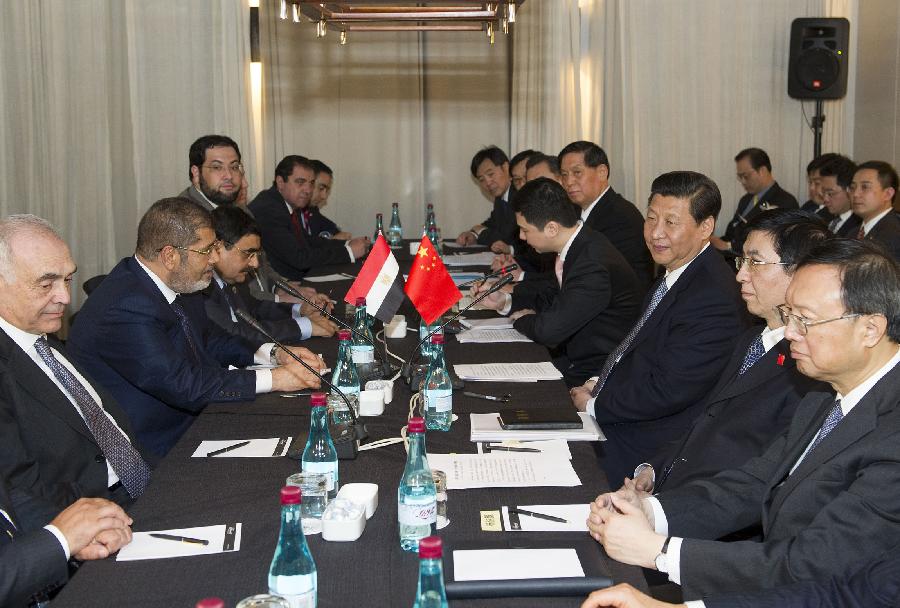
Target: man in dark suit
490	167
873	191
815	204
145	338
835	174
583	314
215	171
239	248
317	222
736	423
584	173
652	386
824	492
34	554
61	435
291	250
754	171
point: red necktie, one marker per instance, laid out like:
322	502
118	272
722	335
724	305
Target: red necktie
295	225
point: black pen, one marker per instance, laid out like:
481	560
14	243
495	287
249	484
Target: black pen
227	448
180	539
504	448
539	515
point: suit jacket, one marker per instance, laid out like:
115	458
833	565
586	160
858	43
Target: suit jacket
588	316
501	225
46	448
130	339
875	585
850	228
736	231
655	391
274	317
813	207
887	233
290	255
742	415
623	225
318	224
838	508
33	563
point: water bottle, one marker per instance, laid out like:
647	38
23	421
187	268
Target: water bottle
424	330
416	497
379	226
292	574
319	455
438	389
431	592
362	348
346	379
431	229
395	230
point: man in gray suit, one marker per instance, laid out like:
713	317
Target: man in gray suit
824	491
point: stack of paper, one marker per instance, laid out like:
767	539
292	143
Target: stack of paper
515	564
490	336
496	323
508	372
485	258
504	470
486	427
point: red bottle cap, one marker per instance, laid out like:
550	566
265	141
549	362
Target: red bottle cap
360	301
416	425
437	338
431	547
290	495
318	400
211	602
344	334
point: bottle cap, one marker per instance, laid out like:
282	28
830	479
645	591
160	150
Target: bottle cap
430	547
211	602
437	338
378	215
360	301
416	425
290	495
344	334
318	400
395	204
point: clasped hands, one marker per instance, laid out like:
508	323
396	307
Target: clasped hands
94	528
292	375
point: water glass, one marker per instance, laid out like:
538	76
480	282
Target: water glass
264	601
314	499
440	488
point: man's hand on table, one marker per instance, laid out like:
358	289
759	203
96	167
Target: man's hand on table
500	247
94	528
359	246
581	395
624	530
469	237
624	596
322	327
521	313
292	376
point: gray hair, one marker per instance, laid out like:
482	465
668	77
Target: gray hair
12	225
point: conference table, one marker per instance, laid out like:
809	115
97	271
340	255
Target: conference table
371	571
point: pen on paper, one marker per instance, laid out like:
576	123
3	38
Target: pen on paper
540	515
180	539
503	448
227	448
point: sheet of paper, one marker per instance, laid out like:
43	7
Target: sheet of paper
495	323
257	448
508	372
553	447
455	245
222	538
465	277
507	564
326	278
486	427
491	336
485	258
575	516
504	470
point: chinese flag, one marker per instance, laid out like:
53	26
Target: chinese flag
429	286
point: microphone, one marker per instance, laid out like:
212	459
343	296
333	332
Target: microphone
409	370
387	370
348	437
491	275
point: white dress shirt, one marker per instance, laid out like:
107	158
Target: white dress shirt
587	211
303	323
867	226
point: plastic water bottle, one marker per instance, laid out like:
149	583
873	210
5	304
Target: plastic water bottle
379	226
362	347
319	455
438	389
416	497
431	592
424	330
431	229
292	574
395	230
346	379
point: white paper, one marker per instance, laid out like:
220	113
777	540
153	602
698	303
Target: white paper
486	427
257	448
504	470
554	447
325	278
508	372
144	546
490	336
485	258
495	323
575	516
455	245
465	277
507	564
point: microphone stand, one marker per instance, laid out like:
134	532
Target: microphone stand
348	437
491	275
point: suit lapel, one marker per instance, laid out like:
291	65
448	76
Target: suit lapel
761	372
574	252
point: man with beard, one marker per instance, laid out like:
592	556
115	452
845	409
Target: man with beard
216	172
147	340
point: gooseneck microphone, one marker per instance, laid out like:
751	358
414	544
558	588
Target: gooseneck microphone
347	439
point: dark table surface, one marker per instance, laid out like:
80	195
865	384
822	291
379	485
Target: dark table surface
372	571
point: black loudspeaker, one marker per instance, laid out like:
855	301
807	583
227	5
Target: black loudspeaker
817	68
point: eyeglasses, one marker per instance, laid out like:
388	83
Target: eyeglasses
802	324
248	253
832	192
205	251
739	263
220	168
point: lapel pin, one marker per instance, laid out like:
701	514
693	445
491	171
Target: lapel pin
780	359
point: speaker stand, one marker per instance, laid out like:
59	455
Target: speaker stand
818	121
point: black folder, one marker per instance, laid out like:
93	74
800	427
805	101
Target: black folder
540	418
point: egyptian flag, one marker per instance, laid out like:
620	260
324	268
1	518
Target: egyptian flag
429	286
379	282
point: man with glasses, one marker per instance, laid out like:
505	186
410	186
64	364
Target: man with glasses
835	175
216	172
825	491
146	338
238	257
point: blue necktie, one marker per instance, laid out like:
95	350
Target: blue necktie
832	420
186	327
754	354
614	356
133	472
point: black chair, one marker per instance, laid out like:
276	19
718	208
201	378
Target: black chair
92	283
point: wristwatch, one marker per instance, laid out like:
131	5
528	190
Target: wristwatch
662	560
272	354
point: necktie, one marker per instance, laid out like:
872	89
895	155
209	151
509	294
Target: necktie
753	202
754	353
614	356
186	327
296	226
558	267
832	227
832	420
861	234
133	472
307	218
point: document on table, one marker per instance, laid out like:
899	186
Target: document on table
222	538
495	323
575	516
504	470
508	372
491	336
486	427
256	448
465	277
485	258
554	447
507	564
455	245
326	278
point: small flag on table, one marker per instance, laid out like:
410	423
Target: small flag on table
379	282
429	286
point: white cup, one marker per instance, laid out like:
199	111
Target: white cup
385	385
371	402
396	328
413	247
